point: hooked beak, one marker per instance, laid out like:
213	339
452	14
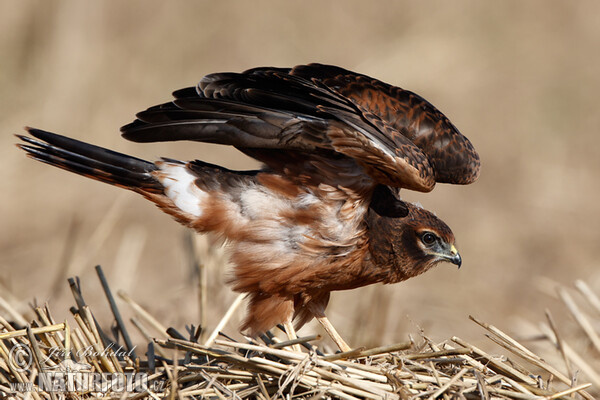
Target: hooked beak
454	257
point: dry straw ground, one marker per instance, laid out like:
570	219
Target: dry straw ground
519	79
47	360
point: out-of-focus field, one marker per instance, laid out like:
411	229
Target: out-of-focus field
520	79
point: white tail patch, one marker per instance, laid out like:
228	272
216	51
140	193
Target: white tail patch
180	187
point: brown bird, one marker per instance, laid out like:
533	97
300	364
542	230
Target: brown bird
324	213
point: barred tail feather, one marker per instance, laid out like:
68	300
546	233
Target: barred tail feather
91	161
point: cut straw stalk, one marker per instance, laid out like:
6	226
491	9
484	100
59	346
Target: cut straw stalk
14	314
495	364
518	349
569	391
35	331
581	319
91	340
589	295
232	308
300	340
115	311
142	313
447	385
573	356
559	343
291	334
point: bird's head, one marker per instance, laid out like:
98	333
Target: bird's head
431	239
409	242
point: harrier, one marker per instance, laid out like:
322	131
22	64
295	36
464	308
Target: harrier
324	212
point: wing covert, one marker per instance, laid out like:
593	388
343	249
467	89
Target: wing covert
451	154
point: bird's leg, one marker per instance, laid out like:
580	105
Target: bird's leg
335	336
291	334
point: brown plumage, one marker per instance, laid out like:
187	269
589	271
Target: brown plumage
324	213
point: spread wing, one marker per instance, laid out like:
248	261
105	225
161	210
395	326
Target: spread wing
451	154
395	136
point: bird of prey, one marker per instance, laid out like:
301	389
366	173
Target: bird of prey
324	212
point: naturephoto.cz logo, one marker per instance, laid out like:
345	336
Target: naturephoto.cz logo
70	376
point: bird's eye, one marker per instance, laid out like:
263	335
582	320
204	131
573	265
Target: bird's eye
428	238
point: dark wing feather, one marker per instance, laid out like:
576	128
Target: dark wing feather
226	121
305	109
451	154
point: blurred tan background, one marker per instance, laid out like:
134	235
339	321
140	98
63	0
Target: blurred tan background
520	79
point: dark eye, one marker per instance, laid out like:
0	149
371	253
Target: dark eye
428	238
